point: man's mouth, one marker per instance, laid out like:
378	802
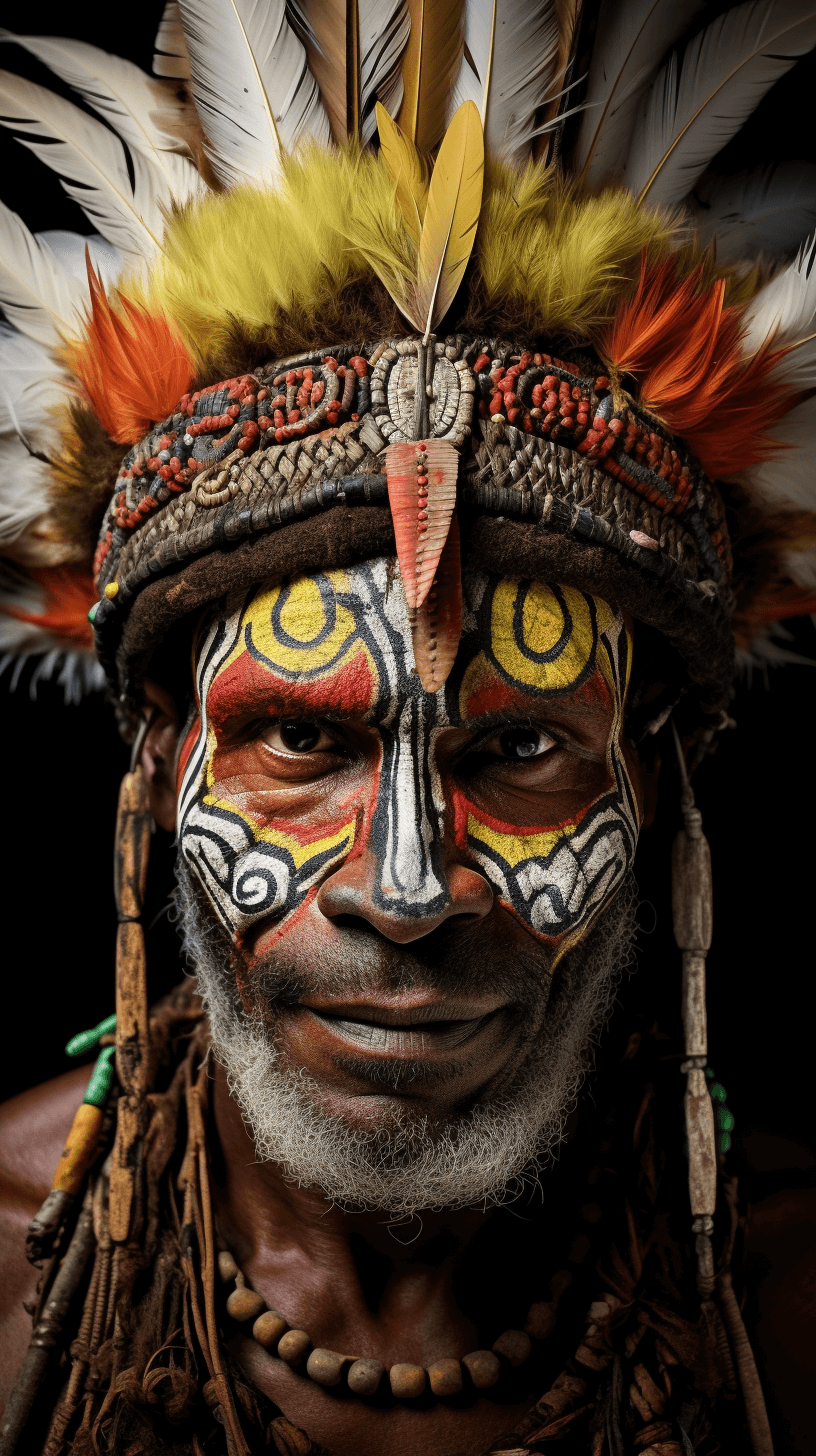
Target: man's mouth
403	1026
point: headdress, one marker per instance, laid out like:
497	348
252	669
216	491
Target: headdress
287	288
414	276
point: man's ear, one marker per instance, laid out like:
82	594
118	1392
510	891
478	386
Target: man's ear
159	753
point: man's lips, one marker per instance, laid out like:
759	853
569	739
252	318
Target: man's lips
403	1026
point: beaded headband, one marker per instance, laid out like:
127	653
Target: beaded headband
514	434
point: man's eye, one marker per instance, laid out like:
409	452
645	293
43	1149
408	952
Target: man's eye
298	735
521	743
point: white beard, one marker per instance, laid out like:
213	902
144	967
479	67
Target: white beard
485	1156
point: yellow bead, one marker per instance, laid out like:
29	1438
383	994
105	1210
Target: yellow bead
111	589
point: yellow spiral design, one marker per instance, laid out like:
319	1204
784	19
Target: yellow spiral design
540	641
294	627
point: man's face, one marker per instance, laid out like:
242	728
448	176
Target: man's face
399	873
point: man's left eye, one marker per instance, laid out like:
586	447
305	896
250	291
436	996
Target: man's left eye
297	735
520	743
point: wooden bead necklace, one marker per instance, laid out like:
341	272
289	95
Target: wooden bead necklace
407	1381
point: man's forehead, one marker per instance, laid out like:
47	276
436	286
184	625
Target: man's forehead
340	640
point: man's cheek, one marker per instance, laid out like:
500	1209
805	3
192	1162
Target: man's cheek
557	878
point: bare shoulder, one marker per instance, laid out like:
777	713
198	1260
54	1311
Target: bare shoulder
781	1277
33	1129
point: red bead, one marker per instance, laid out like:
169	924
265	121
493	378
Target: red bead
422	480
359	365
264	422
153	463
481	363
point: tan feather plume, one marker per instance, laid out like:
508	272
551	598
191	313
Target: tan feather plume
408	170
429	68
451	217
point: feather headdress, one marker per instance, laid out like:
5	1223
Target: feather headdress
291	167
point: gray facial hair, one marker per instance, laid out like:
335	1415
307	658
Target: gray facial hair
484	1157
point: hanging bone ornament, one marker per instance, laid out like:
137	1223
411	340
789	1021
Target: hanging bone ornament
422	494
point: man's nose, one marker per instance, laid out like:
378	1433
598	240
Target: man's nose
356	889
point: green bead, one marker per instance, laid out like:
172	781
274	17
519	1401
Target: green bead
725	1119
92	613
101	1078
724	1141
85	1041
717	1092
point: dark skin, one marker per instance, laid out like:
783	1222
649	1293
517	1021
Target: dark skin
345	1278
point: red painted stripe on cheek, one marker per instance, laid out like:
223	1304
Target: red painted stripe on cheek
186	750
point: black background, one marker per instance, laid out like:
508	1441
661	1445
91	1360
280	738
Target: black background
62	765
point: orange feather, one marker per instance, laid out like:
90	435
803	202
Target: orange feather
132	364
684	347
69	596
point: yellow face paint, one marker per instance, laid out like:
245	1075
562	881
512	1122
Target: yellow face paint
337	646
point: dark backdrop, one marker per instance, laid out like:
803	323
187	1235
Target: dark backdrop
63	766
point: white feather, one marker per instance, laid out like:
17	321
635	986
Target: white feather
789	478
24	484
385	26
508	70
76	672
254	92
726	70
143	112
170	57
68	252
124	204
632	39
785	310
32	389
37	295
768	210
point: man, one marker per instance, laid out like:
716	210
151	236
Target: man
393	624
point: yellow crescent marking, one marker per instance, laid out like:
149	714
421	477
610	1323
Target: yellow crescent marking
515	848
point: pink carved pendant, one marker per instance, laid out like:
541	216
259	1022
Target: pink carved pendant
422	495
437	625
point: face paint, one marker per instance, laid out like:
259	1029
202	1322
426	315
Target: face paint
334	645
336	649
553	642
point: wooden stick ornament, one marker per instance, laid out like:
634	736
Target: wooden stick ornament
692	917
133	827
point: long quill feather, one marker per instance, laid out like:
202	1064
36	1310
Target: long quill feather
354	48
509	70
253	89
171	57
451	216
785	310
726	70
770	210
32	386
37	295
407	169
430	65
123	201
142	111
631	41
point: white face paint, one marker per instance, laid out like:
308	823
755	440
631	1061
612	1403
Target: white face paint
336	648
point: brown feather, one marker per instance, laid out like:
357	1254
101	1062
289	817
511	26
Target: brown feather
429	68
330	34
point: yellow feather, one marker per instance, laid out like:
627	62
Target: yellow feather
406	167
429	68
255	258
451	216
